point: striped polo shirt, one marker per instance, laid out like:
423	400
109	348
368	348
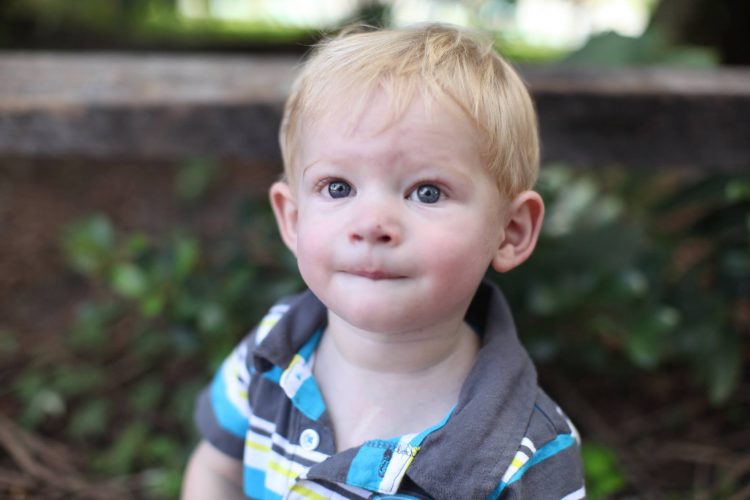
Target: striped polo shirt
505	438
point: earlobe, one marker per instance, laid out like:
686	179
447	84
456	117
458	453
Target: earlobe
285	210
521	232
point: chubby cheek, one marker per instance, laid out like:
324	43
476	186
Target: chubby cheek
313	250
458	264
458	259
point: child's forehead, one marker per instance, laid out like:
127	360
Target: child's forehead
378	109
427	135
343	117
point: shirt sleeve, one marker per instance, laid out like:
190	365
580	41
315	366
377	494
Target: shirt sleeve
222	409
548	463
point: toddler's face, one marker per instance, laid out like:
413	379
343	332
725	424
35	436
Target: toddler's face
397	221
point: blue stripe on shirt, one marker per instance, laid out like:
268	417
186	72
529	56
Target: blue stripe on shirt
371	457
309	400
560	443
254	482
228	416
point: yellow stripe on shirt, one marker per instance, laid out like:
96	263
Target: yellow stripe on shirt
281	470
307	493
257	446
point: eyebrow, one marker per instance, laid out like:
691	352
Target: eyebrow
333	160
441	161
306	167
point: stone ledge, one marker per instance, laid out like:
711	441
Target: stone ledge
172	106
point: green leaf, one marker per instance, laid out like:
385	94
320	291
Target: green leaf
161	449
152	304
90	420
647	341
124	453
738	190
151	344
603	476
544	300
630	284
129	280
186	254
194	178
163	482
711	188
88	244
43	404
77	380
89	330
724	370
146	395
28	384
211	318
138	243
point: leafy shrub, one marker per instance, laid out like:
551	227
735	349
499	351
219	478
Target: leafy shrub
637	272
165	310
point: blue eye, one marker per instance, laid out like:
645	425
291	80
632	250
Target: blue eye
339	189
426	193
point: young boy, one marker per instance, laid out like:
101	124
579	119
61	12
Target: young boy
409	157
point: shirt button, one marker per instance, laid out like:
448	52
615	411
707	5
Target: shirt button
309	439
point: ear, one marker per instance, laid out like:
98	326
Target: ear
522	226
285	210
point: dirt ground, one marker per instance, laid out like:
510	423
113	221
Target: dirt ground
670	441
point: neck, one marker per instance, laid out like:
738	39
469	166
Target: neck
379	385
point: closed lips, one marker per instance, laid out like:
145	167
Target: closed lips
375	275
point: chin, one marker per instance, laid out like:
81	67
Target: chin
380	324
378	315
383	306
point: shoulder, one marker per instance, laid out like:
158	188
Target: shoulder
270	319
243	350
223	408
549	423
548	460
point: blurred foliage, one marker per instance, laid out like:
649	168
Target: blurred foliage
640	271
603	477
133	23
637	272
158	24
612	49
166	311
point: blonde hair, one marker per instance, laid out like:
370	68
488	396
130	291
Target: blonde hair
444	60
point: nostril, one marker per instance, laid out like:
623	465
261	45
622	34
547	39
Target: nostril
373	234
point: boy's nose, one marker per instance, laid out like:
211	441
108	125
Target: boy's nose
375	231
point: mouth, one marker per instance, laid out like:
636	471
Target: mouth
375	275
